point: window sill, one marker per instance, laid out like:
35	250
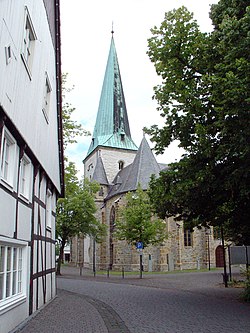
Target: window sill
11	303
24	198
7	184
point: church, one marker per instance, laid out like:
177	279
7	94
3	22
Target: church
119	166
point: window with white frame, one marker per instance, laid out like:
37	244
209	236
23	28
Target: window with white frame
8	157
46	98
48	209
29	38
25	177
11	273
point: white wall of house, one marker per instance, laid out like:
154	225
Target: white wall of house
18	93
29	160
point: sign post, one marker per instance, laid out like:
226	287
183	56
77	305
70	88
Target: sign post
139	246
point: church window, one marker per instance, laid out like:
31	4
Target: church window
103	218
188	237
101	192
121	165
111	231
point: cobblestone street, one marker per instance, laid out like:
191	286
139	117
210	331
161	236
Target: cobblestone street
164	303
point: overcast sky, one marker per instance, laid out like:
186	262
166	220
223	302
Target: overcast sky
86	34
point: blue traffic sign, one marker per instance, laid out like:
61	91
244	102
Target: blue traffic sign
139	245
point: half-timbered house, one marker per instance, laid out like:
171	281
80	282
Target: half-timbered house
31	155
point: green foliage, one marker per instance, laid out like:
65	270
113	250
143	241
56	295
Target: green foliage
204	98
76	211
136	222
246	293
71	129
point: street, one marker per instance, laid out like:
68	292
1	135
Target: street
163	303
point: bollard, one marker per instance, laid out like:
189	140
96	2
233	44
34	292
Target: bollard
108	273
81	265
122	272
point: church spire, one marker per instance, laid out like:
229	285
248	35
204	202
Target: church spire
112	125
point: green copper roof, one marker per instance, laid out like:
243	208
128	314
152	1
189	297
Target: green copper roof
112	126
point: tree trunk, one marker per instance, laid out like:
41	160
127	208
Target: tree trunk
60	259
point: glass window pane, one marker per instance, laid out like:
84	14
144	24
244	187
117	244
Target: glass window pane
1	286
2	250
9	258
8	285
14	283
15	258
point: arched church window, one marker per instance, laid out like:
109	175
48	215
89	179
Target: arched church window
112	219
121	165
101	192
111	231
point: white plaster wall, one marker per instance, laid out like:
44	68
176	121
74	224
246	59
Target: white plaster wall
22	97
110	158
7	215
24	222
11	319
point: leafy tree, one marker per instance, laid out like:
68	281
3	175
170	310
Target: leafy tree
76	212
204	98
136	223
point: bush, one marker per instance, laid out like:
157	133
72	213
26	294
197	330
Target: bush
246	293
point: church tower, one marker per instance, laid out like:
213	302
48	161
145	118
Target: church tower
112	147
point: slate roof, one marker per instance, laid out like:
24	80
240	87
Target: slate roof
99	174
112	125
139	172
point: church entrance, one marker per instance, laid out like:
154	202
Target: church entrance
219	256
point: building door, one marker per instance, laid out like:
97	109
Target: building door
219	256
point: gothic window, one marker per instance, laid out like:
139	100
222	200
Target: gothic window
188	237
111	230
101	192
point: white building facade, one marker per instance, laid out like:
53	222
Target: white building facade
31	155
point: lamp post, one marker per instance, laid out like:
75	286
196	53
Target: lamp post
94	268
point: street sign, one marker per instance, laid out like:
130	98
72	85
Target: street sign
139	245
